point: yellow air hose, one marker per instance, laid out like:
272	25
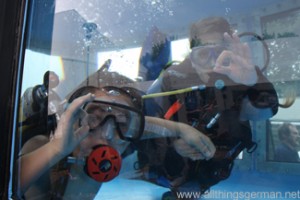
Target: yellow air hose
184	90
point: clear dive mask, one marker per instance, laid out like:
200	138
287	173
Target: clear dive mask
206	56
128	121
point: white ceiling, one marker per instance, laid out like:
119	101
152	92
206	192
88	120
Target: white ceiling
126	22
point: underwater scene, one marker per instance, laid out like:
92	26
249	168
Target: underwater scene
159	100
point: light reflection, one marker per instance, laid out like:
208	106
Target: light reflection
125	62
180	49
36	64
57	65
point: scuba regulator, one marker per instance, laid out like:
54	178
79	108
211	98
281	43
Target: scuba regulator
103	164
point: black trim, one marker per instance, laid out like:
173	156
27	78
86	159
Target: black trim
11	23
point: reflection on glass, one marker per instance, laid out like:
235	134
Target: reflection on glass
123	61
284	142
284	49
147	45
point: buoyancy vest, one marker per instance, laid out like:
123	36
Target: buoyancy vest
218	105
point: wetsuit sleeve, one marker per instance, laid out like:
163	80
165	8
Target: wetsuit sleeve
41	187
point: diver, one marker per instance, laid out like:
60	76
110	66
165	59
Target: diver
40	106
287	149
87	146
216	90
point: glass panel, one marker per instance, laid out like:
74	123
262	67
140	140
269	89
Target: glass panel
283	141
207	84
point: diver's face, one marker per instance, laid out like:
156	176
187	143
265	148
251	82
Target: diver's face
207	59
294	136
105	133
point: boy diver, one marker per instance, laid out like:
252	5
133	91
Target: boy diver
229	91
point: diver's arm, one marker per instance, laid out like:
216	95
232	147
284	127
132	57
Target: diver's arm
157	127
34	162
37	157
197	142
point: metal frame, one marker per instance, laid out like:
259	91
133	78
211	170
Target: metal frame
12	15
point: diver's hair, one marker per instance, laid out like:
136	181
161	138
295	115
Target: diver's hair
82	91
290	98
134	95
289	101
131	93
207	25
106	78
47	76
284	130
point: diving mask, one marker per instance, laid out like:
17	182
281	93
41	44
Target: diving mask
129	122
104	162
206	56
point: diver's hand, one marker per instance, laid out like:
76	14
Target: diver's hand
236	62
65	138
194	144
185	150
